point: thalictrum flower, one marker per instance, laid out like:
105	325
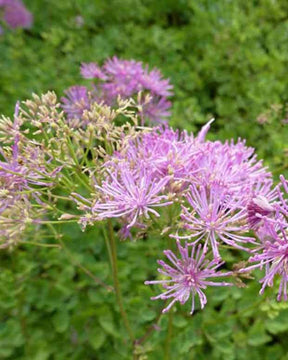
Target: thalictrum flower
273	254
130	195
283	207
153	81
163	151
258	208
214	215
76	101
125	78
16	15
188	275
232	165
92	71
157	110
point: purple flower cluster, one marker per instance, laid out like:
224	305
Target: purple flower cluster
124	78
213	184
212	195
15	15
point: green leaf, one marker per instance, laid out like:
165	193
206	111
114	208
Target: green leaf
279	324
96	337
226	347
107	323
61	321
257	334
179	321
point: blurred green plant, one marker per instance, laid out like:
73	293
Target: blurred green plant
50	308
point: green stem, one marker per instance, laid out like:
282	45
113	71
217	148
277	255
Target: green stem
78	173
170	315
169	336
106	237
66	198
82	179
87	149
41	245
113	257
68	185
46	222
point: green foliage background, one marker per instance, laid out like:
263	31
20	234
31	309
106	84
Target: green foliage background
226	59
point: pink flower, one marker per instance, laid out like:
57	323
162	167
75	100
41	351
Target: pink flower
188	276
130	195
215	215
126	78
153	81
76	102
92	71
283	208
163	152
273	255
156	110
16	15
258	208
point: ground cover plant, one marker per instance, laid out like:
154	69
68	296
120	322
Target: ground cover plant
97	176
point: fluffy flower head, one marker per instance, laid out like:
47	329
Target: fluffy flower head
16	15
130	195
188	275
214	215
274	256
